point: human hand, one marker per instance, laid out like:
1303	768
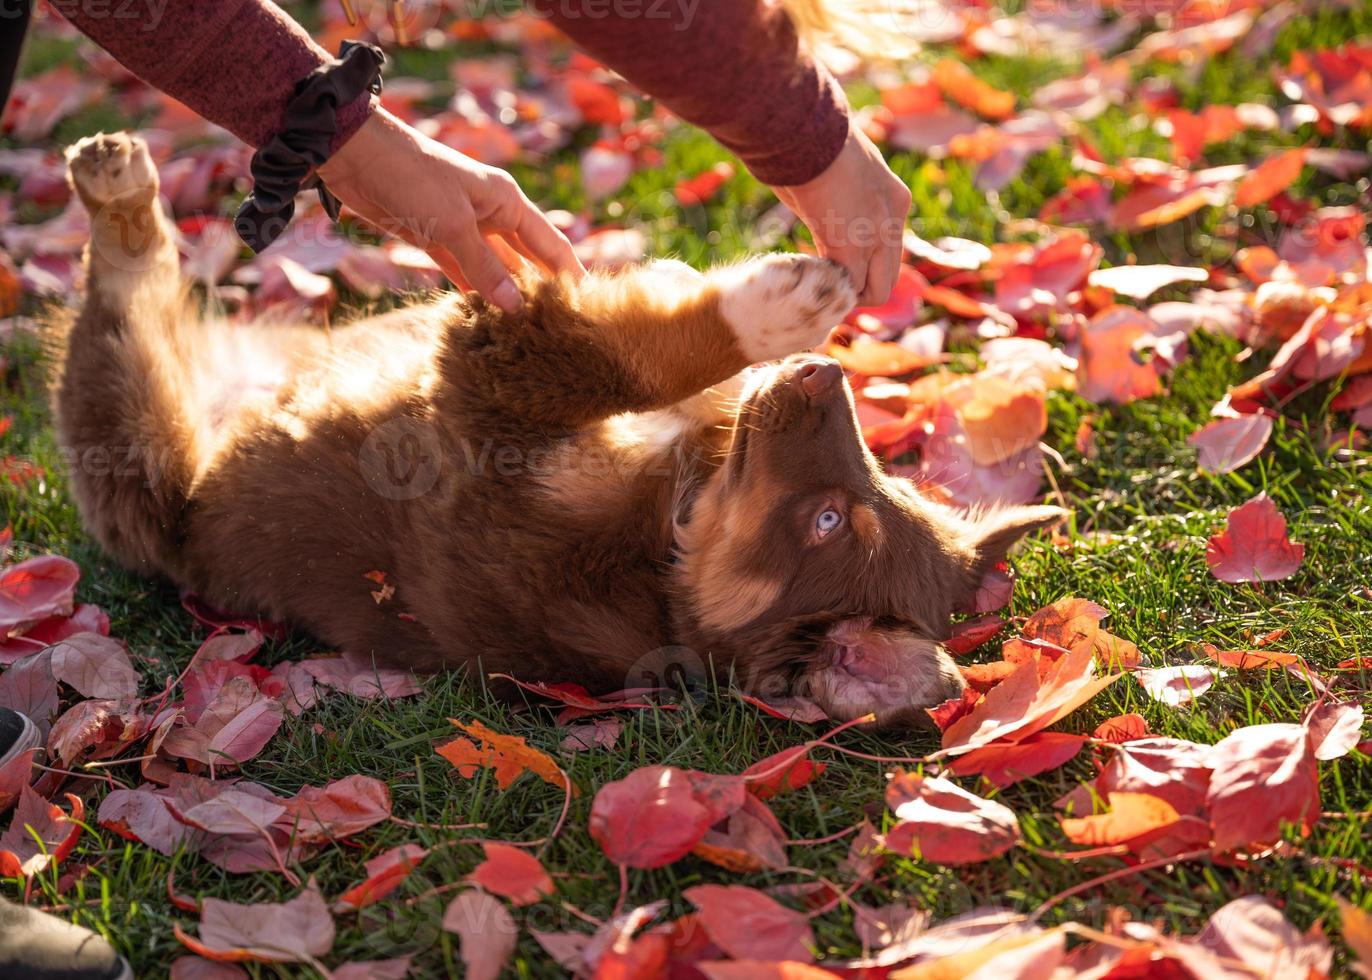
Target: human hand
472	219
856	212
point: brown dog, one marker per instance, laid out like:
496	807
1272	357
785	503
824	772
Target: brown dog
586	491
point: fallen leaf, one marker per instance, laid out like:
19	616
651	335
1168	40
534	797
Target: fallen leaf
944	824
40	835
747	924
486	931
1253	546
782	771
1006	763
35	589
1262	776
297	931
385	873
1142	281
1177	686
339	809
1227	444
1131	816
512	873
1334	727
1024	704
508	756
1274	175
651	817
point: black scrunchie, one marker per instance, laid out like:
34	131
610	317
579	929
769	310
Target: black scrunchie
286	164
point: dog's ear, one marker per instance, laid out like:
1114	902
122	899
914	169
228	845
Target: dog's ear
989	537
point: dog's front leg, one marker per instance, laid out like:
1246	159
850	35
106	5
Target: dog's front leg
643	340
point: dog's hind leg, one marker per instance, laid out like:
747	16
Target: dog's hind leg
117	394
643	340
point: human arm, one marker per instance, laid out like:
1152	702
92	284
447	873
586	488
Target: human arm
237	63
738	70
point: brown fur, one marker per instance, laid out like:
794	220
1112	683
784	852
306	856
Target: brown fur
576	492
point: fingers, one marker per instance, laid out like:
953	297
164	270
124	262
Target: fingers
484	269
883	268
857	262
545	244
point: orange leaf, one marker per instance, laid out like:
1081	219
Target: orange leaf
1131	816
1271	177
1006	763
957	83
508	755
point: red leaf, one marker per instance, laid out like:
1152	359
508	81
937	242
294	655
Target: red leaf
951	710
799	710
1271	177
586	735
487	933
35	819
512	873
142	815
650	818
14	776
703	186
1122	728
339	809
944	824
747	924
578	700
35	589
84	619
750	839
385	873
1023	704
1006	763
95	665
972	633
233	728
1334	728
298	931
1227	444
787	770
1253	546
1262	776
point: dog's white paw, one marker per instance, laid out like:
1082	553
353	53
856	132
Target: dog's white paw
112	169
783	303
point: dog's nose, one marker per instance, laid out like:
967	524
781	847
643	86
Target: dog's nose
818	376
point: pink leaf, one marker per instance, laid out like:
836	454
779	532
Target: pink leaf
747	924
297	931
1253	546
35	589
1262	776
487	933
944	824
1226	444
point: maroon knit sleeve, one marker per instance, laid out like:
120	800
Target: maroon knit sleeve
235	62
733	67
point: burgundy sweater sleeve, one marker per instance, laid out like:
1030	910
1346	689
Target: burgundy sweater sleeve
235	62
733	67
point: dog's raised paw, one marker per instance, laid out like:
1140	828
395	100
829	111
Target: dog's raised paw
112	169
783	303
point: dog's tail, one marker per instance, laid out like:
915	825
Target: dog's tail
120	378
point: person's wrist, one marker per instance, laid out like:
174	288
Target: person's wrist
379	132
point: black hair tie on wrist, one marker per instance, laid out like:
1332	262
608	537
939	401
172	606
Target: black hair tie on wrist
286	164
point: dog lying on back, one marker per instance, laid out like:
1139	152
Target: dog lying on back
593	489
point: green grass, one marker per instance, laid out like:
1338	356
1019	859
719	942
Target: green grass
1143	512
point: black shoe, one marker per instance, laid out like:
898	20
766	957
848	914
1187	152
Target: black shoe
38	946
17	734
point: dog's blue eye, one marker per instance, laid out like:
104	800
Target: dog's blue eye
828	520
